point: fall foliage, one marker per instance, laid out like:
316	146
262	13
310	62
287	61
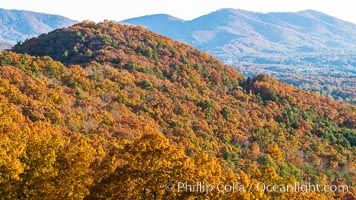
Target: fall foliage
109	111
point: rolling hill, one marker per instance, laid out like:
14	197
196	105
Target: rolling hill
308	49
18	25
110	111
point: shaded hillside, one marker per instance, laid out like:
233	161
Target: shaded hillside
18	25
308	49
100	107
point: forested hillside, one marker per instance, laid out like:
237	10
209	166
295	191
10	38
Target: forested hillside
109	111
308	49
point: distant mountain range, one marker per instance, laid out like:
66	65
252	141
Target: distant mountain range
230	33
18	25
309	49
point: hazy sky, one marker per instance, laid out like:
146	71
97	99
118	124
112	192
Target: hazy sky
185	9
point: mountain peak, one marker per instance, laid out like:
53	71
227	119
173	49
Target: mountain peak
233	10
159	17
83	42
118	44
311	11
229	12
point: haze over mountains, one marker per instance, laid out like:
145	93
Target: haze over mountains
228	33
308	49
18	25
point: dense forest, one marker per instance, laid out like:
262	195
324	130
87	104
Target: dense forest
109	111
328	77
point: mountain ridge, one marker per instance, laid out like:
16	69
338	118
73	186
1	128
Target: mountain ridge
280	44
222	13
18	25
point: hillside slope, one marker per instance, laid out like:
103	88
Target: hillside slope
106	106
18	25
308	49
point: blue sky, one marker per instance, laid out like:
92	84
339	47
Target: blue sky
185	9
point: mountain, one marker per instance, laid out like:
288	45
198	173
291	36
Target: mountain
110	111
309	49
301	31
159	23
18	25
